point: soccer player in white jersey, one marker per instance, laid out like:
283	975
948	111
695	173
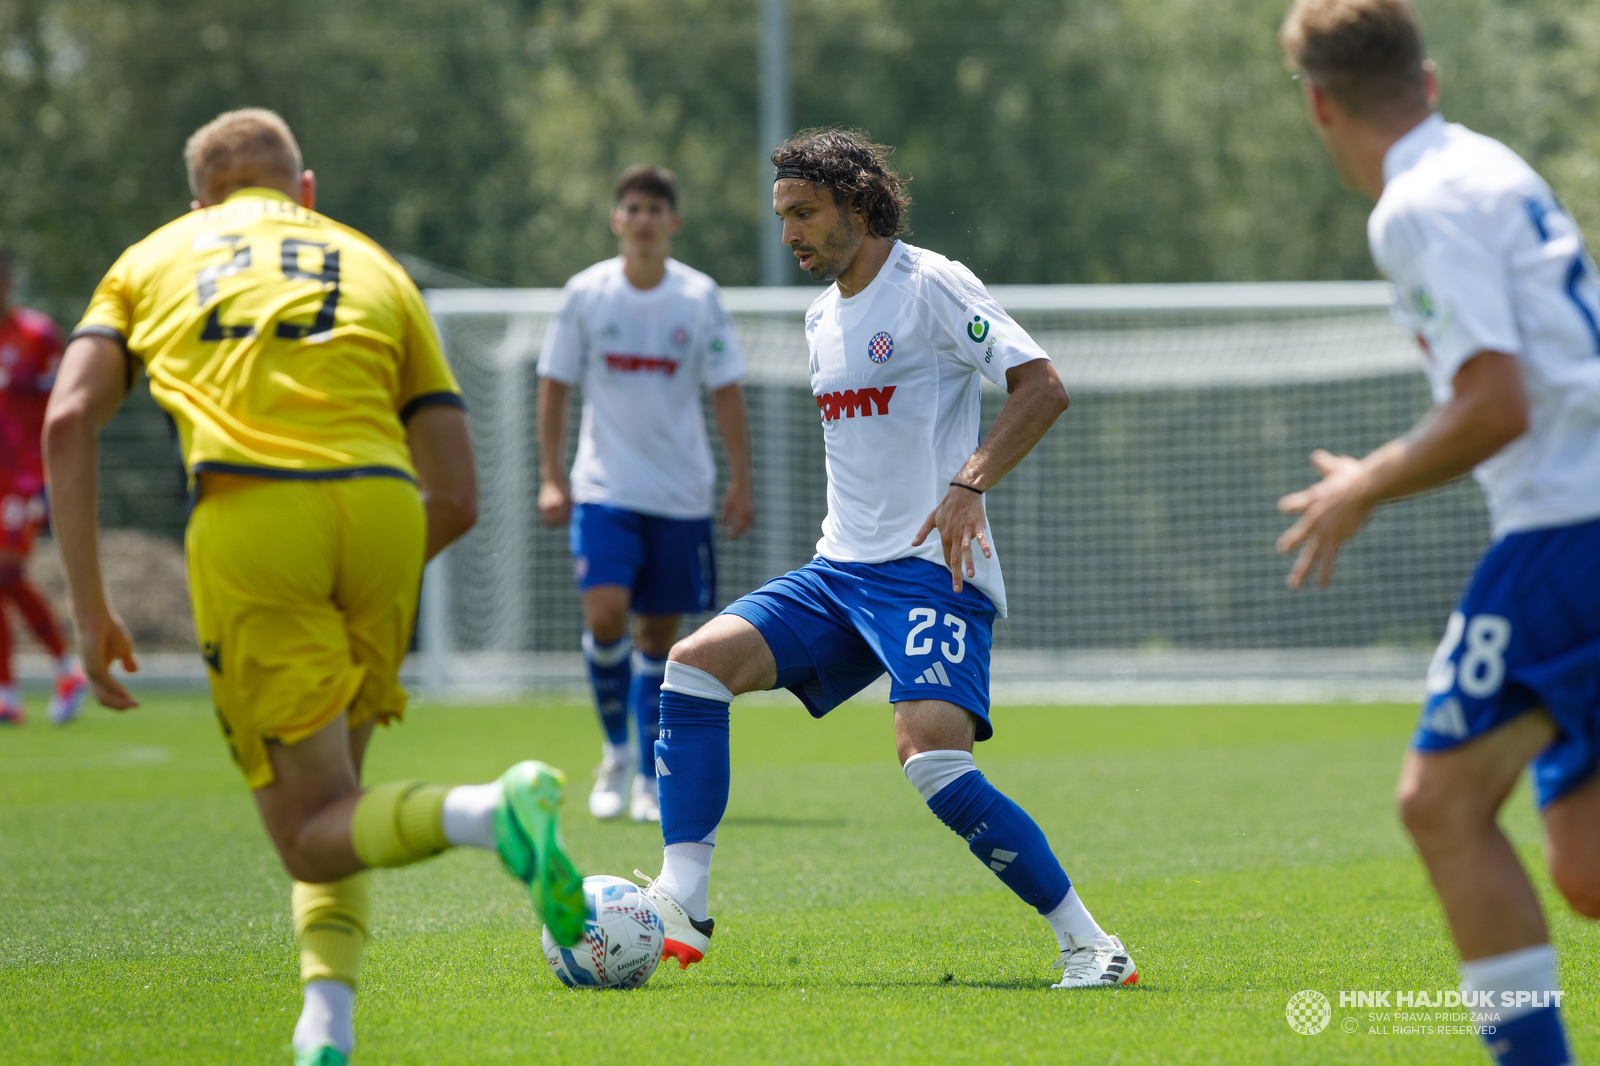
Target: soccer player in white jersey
1492	276
900	344
641	334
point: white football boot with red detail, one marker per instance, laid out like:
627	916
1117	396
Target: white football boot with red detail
1092	963
687	940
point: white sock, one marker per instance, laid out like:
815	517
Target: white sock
469	815
1524	970
930	771
686	877
326	1017
10	694
689	680
65	665
1072	918
606	654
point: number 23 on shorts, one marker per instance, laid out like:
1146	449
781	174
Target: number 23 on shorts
926	618
1482	669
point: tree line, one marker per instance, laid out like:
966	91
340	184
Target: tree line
1048	140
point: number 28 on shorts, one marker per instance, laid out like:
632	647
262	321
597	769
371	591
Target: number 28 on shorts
1481	668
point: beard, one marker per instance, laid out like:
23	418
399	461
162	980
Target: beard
836	253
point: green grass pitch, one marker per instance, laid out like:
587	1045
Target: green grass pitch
1244	854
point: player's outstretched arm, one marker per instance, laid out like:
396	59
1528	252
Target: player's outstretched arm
441	450
555	495
1488	411
738	504
89	388
1037	399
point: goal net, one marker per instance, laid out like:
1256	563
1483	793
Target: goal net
1137	538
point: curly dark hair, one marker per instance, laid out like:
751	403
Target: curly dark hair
853	169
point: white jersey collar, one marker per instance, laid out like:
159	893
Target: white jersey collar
1409	149
655	292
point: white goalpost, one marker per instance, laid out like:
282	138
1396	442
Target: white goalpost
1137	538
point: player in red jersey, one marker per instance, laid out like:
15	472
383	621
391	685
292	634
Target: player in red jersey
30	351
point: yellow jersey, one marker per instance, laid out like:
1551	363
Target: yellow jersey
282	343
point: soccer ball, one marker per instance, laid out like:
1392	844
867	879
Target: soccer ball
622	940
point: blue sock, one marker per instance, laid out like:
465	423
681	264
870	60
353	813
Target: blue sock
1535	1039
1004	839
691	767
644	703
609	676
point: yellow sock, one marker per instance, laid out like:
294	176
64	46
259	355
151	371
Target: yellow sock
330	922
399	823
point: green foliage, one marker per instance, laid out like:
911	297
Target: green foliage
1049	140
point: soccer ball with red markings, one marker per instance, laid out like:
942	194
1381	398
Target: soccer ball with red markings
622	938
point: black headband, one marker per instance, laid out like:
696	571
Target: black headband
795	170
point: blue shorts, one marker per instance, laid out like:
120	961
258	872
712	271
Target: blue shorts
1526	634
834	628
667	564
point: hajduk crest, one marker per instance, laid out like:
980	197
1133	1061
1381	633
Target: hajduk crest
880	348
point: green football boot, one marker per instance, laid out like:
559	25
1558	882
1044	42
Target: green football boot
326	1055
527	833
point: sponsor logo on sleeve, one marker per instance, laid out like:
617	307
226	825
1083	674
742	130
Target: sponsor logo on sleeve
978	329
988	352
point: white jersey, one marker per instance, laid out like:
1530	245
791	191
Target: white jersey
1483	257
895	370
641	357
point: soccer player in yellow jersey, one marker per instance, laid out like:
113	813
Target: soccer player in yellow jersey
328	455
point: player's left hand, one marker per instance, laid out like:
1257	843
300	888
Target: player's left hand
960	521
738	510
1331	512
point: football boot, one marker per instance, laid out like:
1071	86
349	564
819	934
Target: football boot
609	797
645	806
67	699
527	834
687	940
1090	963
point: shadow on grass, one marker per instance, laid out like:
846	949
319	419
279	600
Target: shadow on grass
788	823
820	984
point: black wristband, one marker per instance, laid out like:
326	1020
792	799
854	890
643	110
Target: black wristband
969	488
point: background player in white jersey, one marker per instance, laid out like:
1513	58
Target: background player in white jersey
899	346
1494	279
641	334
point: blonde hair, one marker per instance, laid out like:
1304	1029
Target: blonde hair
238	149
1365	54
